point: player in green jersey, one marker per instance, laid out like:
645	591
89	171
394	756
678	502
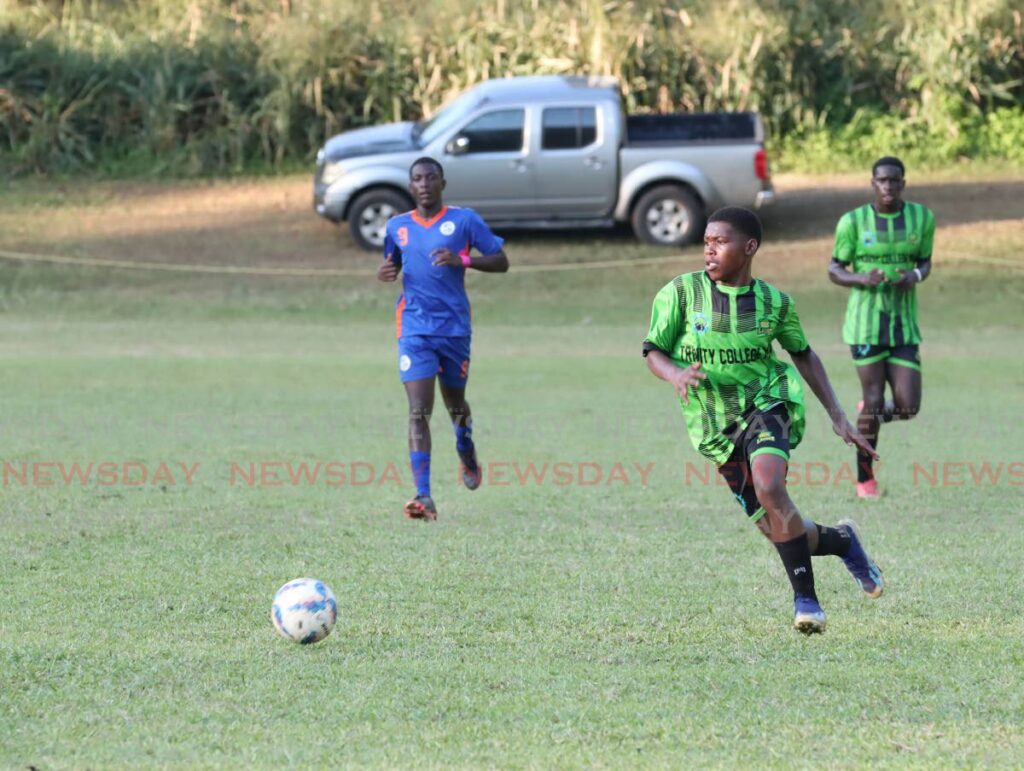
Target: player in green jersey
882	251
711	337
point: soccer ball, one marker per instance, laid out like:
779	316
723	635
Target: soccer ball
304	610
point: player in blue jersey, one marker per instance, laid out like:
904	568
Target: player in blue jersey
430	246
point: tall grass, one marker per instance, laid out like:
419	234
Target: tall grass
200	86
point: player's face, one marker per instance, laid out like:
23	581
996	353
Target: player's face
727	252
888	186
426	184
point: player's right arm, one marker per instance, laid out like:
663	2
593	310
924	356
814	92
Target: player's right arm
681	378
843	254
388	269
666	326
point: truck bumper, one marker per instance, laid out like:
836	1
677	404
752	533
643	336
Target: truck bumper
329	201
764	198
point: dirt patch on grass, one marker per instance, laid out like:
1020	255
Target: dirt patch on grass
270	222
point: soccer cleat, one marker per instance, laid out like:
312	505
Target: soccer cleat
421	507
470	470
863	569
809	618
869	490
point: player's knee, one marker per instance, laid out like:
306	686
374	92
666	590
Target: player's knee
874	400
904	408
418	413
771	489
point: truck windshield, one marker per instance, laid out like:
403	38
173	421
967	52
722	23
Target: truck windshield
427	131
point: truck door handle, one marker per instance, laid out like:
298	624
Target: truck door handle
519	166
593	162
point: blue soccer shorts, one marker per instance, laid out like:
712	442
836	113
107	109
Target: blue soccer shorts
423	356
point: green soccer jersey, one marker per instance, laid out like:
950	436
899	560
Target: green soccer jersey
866	239
730	331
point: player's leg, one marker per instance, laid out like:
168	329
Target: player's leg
417	365
784	527
768	434
454	376
420	394
869	417
903	371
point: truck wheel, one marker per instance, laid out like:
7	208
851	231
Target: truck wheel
369	214
668	215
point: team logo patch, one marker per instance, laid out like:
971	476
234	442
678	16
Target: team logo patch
913	238
447	228
765	327
869	239
765	436
404	363
700	323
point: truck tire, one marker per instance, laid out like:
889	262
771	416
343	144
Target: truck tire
668	215
370	212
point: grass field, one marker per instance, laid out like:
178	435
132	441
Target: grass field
634	620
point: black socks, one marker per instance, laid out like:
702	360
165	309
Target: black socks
796	557
865	471
832	540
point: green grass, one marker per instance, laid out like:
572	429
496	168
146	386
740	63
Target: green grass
535	625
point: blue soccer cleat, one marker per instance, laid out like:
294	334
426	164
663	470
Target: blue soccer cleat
470	470
863	569
809	617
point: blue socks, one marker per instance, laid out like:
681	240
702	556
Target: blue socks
464	439
419	462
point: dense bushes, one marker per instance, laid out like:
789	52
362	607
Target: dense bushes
195	86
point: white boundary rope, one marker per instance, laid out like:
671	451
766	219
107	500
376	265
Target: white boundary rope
230	270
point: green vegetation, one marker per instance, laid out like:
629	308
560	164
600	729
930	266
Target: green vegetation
536	625
206	87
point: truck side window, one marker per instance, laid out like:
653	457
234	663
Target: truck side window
568	128
496	132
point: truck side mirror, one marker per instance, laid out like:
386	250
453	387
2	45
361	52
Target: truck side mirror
458	146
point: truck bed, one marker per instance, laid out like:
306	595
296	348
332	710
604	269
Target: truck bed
679	127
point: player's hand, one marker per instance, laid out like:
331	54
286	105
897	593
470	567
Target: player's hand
387	271
686	377
445	256
906	280
845	431
874	278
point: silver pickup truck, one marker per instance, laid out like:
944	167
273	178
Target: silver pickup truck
551	151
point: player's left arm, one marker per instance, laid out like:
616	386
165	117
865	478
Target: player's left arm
924	261
791	337
492	257
809	365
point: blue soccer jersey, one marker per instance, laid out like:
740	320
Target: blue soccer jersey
433	300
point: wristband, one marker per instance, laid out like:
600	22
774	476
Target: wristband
466	260
920	278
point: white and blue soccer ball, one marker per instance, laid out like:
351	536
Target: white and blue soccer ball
304	610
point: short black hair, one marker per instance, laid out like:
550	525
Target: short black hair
744	220
426	159
889	160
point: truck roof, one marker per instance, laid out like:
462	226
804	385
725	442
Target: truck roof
549	88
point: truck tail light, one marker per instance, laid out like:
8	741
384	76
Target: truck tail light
761	165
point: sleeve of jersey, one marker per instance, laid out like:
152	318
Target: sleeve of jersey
481	237
927	236
390	247
846	240
666	321
790	333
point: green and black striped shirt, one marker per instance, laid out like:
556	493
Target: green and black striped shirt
866	239
729	329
